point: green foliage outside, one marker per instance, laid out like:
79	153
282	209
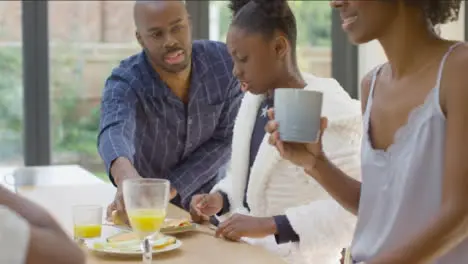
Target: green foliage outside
74	134
313	22
11	107
71	133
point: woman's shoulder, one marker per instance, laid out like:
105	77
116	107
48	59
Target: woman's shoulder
454	78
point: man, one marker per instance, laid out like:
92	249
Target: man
168	112
28	234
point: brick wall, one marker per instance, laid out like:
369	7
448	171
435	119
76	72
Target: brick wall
104	32
10	21
79	21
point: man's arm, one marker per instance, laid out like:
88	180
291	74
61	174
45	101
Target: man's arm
195	171
33	234
117	129
450	226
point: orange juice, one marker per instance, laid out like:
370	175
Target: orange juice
147	221
87	231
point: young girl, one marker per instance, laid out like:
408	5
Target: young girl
264	196
411	205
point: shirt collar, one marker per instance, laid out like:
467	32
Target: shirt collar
199	70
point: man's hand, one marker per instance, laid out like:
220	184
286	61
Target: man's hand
121	169
203	206
116	212
238	226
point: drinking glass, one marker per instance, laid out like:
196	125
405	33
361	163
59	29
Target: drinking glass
146	203
87	222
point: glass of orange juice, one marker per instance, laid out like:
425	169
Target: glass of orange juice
146	202
87	222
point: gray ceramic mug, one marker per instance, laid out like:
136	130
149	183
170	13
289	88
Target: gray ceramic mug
298	114
20	177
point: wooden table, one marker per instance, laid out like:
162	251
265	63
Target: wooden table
199	247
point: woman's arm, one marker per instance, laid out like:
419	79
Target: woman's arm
343	188
52	246
339	177
34	214
21	242
339	172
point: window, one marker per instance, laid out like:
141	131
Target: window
455	30
314	32
11	84
87	39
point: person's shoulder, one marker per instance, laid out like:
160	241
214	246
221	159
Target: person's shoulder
5	211
457	63
6	214
11	220
14	235
213	51
210	46
454	78
216	60
129	68
366	84
129	73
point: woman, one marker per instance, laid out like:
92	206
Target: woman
264	196
412	199
29	235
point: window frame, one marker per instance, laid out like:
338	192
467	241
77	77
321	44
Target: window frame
36	97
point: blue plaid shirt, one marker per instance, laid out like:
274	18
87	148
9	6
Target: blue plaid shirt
143	121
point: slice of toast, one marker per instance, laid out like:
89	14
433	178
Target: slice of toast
158	243
173	223
123	237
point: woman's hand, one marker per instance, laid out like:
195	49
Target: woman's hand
203	206
238	226
302	154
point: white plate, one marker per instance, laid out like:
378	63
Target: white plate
108	231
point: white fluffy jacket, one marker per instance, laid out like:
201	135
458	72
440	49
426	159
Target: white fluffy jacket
277	186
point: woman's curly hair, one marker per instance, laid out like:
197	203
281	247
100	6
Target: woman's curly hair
438	11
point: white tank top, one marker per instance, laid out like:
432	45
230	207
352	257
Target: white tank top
402	186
